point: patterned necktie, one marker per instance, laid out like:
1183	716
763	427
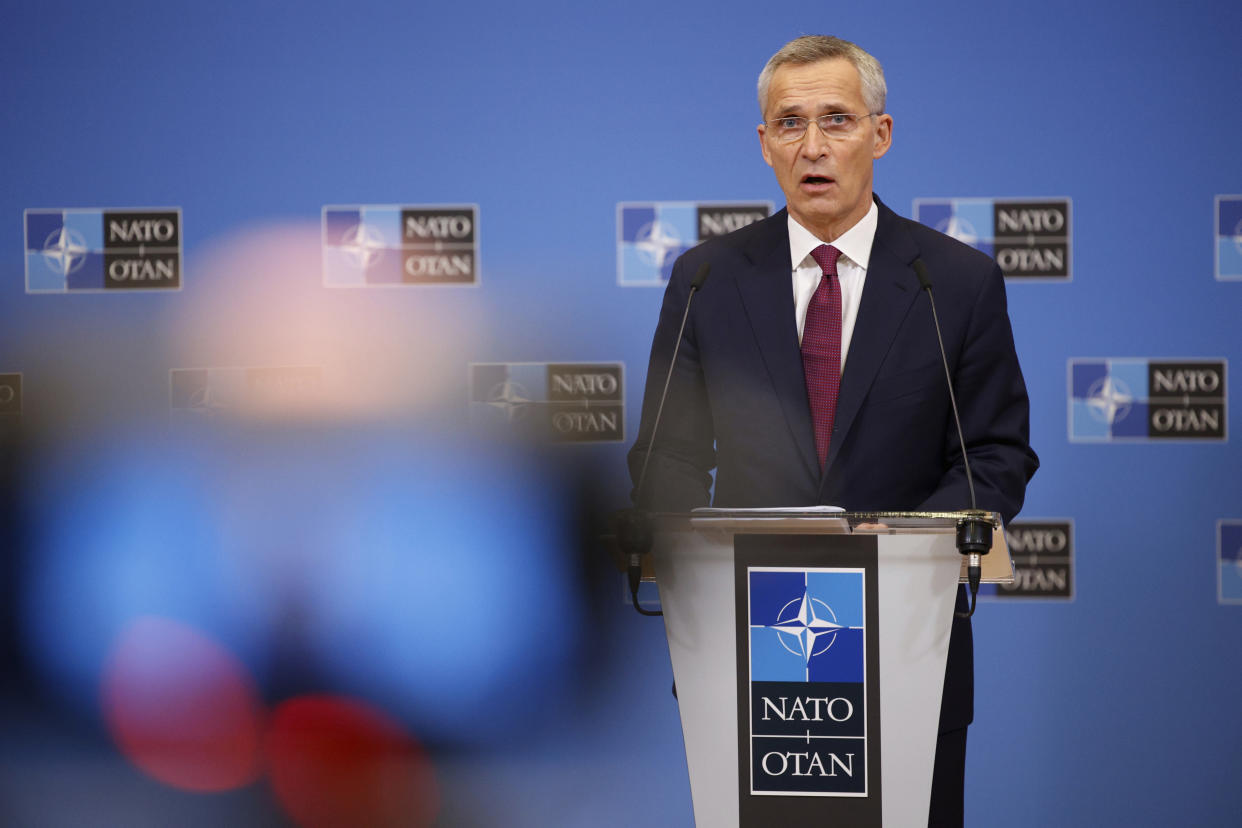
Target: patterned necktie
821	349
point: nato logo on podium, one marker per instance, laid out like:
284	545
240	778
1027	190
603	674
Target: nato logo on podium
807	682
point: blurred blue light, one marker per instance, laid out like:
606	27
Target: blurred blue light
452	603
431	575
125	528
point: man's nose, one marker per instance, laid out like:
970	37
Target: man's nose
814	142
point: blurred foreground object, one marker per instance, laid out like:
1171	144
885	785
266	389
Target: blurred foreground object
306	605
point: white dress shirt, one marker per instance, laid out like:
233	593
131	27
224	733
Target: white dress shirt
855	247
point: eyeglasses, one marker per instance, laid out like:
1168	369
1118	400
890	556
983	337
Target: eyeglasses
833	125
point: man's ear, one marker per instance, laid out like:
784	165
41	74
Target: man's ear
763	144
883	135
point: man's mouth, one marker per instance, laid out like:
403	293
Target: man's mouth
816	180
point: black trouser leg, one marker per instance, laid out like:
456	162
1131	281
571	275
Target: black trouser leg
949	781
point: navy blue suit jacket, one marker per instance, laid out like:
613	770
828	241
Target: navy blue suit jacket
738	400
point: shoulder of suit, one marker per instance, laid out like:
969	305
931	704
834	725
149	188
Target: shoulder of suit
935	247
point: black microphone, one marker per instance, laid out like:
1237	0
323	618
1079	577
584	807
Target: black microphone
974	529
634	532
700	276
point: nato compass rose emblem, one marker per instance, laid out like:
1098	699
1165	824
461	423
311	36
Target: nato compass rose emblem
960	229
205	403
65	250
362	245
510	398
808	624
655	241
1109	400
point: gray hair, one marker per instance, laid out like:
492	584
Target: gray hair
813	49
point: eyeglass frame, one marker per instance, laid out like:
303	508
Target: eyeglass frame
854	116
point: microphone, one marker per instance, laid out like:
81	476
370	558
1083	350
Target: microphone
634	531
974	529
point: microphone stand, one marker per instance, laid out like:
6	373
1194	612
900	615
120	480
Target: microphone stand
634	530
974	528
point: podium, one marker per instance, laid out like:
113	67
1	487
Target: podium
808	651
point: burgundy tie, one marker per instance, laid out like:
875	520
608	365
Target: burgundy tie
821	349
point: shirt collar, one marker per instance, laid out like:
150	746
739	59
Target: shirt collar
854	244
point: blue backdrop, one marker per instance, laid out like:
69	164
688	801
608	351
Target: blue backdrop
1118	707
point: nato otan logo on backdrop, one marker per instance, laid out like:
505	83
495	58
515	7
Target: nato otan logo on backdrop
72	250
1043	561
372	245
1029	238
208	392
808	681
10	398
652	234
559	402
1115	400
1229	237
1229	561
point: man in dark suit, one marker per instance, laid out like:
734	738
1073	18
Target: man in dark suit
809	372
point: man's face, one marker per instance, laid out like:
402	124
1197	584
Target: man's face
827	182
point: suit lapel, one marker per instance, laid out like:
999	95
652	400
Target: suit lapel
888	293
766	289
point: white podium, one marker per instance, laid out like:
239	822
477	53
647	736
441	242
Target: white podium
797	709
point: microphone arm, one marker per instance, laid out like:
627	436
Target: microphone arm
634	532
974	529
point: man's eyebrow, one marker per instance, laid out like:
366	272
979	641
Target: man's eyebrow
791	109
788	110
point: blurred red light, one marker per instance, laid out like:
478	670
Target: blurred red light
182	708
337	762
